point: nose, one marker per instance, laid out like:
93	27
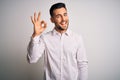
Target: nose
63	18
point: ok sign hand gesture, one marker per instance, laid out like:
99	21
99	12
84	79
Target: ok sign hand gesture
39	26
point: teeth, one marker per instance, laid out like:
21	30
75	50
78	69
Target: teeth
63	22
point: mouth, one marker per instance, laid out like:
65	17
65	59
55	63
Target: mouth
64	23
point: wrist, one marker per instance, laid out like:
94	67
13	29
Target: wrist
35	34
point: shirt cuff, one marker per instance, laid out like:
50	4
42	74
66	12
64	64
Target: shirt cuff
35	39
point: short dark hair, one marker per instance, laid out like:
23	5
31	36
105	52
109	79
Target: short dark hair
56	6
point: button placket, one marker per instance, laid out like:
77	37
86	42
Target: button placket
62	58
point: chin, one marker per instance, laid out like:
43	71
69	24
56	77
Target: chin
65	28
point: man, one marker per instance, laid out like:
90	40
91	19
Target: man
63	50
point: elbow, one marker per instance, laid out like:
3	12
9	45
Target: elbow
30	60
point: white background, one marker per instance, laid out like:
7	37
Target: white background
97	20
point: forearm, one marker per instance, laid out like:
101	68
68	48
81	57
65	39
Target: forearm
35	49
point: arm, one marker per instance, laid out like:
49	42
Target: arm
35	49
36	46
82	61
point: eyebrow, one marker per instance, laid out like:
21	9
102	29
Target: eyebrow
60	14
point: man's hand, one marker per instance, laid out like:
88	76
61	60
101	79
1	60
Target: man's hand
39	26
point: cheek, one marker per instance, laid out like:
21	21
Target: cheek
67	18
58	21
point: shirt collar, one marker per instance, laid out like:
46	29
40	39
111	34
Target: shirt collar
68	32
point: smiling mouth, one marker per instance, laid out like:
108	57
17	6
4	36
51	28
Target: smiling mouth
63	23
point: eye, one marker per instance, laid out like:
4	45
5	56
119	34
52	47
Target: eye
57	16
65	14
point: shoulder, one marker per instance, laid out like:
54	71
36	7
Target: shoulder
78	37
47	34
75	35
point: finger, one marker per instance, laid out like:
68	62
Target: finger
35	16
32	20
44	24
38	18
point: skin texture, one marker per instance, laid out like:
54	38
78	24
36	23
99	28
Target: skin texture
60	19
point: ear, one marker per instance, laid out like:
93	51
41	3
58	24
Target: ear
52	20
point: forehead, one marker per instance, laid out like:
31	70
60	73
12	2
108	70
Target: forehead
59	11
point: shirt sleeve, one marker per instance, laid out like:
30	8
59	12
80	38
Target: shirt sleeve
82	61
35	49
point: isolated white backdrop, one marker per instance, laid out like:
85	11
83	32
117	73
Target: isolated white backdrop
97	20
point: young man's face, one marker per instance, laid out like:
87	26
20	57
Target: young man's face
60	18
